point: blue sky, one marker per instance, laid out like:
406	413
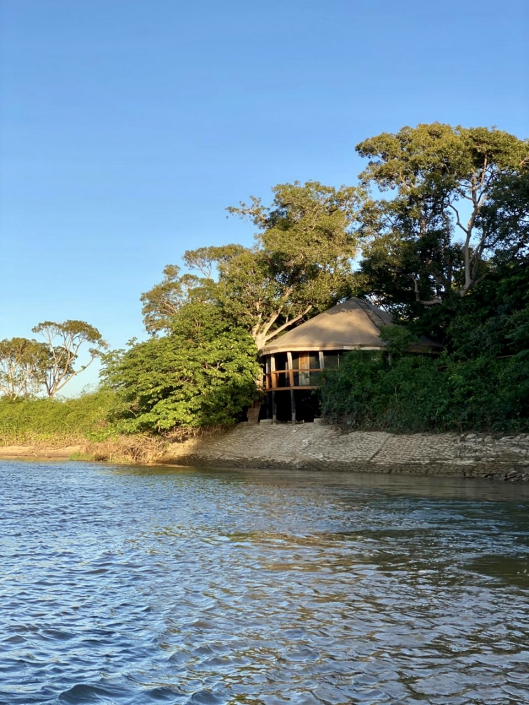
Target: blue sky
128	126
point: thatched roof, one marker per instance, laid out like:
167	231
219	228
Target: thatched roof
348	326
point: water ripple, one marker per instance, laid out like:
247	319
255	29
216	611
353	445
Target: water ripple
135	586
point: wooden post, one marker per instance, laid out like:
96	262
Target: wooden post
273	377
291	384
267	385
290	370
321	360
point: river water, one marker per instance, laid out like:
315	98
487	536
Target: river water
138	586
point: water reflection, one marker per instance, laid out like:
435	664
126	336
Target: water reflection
128	585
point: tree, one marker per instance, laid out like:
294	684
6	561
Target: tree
164	300
64	342
23	365
506	212
301	263
201	374
435	227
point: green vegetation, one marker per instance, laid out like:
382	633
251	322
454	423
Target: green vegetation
436	232
481	382
28	367
200	367
202	373
57	422
300	265
462	281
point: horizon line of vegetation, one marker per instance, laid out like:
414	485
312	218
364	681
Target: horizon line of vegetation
436	231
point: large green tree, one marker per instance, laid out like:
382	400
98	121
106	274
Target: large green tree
452	229
201	373
430	235
301	263
23	365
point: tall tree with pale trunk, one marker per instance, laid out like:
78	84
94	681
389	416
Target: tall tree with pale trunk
23	365
429	232
64	342
301	263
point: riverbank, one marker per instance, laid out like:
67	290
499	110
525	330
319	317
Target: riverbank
39	451
318	447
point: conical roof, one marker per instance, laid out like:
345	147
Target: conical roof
347	326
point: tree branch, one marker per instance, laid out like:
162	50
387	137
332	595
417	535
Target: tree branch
287	324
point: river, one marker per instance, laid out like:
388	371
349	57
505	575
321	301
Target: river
165	585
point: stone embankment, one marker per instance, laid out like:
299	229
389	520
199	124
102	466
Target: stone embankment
321	447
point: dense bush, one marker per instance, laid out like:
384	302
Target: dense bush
202	374
411	393
369	393
55	420
480	382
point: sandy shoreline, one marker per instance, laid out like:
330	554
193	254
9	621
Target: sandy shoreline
35	452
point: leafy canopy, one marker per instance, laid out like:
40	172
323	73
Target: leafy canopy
23	366
301	263
64	342
202	373
431	237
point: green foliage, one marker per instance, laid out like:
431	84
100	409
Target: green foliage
447	253
203	373
418	394
506	213
481	382
306	225
301	264
56	421
215	318
397	338
368	392
442	214
457	196
23	365
445	250
164	300
64	341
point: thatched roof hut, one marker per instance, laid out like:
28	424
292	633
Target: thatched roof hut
352	325
293	361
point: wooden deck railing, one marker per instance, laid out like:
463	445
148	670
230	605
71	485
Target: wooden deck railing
291	379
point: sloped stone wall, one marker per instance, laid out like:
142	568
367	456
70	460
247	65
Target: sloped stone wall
322	447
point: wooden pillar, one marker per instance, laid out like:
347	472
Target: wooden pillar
273	377
267	386
291	384
321	359
290	370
